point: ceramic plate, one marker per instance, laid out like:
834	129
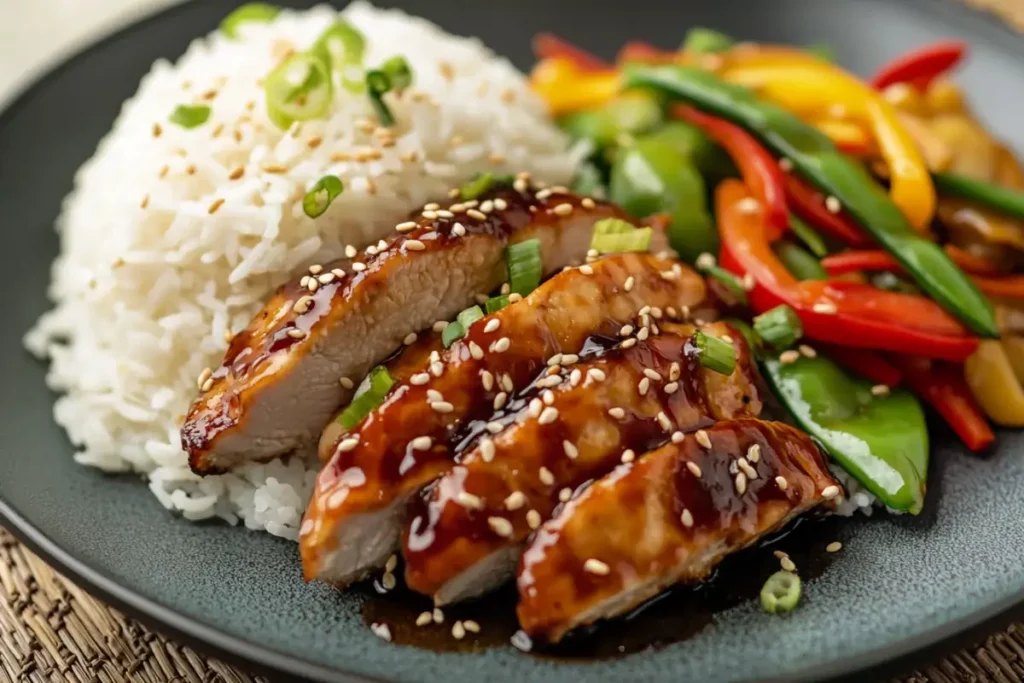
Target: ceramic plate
898	585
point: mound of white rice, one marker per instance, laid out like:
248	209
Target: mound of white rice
173	237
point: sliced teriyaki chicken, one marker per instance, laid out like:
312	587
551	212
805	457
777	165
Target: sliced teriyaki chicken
669	517
286	374
567	428
354	520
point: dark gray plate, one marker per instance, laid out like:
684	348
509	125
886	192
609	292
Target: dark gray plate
899	585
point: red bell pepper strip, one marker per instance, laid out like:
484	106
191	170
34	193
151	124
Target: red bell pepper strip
548	45
920	66
979	265
809	204
943	386
1008	286
843	313
645	53
870	364
758	167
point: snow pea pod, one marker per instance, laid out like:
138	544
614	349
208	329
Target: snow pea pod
879	438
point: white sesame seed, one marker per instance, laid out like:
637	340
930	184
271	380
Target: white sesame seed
459	230
326	278
502	345
316	269
442	407
494	427
807	351
543	194
207	385
652	374
555	360
628	343
392	562
439	325
515	500
478	215
741	483
419	379
781	482
515	297
296	333
381	631
348	444
705	261
203	377
500	204
433	395
671	387
422	443
563	209
587	203
302	304
880	390
625	330
754	453
586	269
832	204
475	351
664	422
549	381
424	618
674	371
359	266
533	519
468	500
506	383
458	631
438	615
570	358
570	449
487	206
596	374
535	407
834	547
643	386
748	205
548	397
492	325
565	494
346	382
388	581
415	245
499	400
312	285
694	469
617	413
500	526
546	477
630	281
702	438
351	251
747	469
628	455
686	518
825	307
401	227
429	215
678	437
787	564
595	566
471	626
830	492
410	338
790	356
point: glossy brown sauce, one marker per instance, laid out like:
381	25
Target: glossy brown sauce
671	617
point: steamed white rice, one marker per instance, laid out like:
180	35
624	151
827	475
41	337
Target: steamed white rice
153	273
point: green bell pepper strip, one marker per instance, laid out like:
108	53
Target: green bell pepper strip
799	261
1004	199
630	114
817	159
809	236
650	177
881	441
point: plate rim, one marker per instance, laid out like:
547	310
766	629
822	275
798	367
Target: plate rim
284	666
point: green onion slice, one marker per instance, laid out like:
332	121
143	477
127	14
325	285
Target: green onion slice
496	303
371	394
705	40
470	316
779	327
715	353
744	328
321	195
298	90
453	332
613	235
524	266
190	116
728	280
481	184
780	593
809	236
377	85
340	45
399	72
253	12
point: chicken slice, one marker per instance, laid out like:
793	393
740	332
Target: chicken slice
565	429
278	384
669	517
354	520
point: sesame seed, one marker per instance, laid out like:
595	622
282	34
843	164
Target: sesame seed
663	421
312	285
500	526
785	164
555	360
487	206
807	351
410	338
346	382
652	374
550	381
702	438
348	444
388	581
536	406
628	343
643	334
747	469
419	379
565	494
543	194
494	427
596	374
671	387
434	395
424	618
438	615
625	330
381	631
458	630
705	261
570	358
678	437
674	371
442	407
471	626
628	455
686	518
315	269
595	566
478	215
506	383
486	447
643	386
326	278
562	209
502	345
548	397
422	443
515	297
492	325
515	500
499	400
546	477
295	333
741	483
415	245
832	204
475	351
754	453
392	562
586	269
459	230
630	281
830	492
570	449
694	469
587	203
787	564
617	413
404	227
429	215
826	307
203	376
781	482
880	390
468	500
790	356
359	267
748	205
217	203
575	376
834	547
533	519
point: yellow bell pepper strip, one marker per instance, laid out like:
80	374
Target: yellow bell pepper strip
1013	347
994	384
809	86
849	137
566	88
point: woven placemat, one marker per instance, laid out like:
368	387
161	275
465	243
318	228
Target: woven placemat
52	630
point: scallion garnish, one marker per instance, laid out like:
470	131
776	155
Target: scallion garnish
298	90
377	85
781	592
476	187
524	266
613	235
496	303
453	332
253	12
340	45
779	327
190	116
715	353
321	195
398	71
727	279
809	236
371	394
469	316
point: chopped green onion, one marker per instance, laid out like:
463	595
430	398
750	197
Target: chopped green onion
253	12
320	197
780	593
727	279
524	266
715	353
704	40
809	236
476	187
1004	199
613	235
190	116
377	85
744	328
340	45
298	90
452	332
780	327
370	395
470	316
496	303
398	71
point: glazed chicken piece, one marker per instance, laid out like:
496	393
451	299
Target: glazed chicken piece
669	517
285	375
563	430
354	520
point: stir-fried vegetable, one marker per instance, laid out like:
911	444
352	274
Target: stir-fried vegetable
321	195
799	262
779	327
251	12
942	386
701	40
370	395
524	266
613	235
715	353
630	114
298	90
1008	200
991	377
780	593
920	67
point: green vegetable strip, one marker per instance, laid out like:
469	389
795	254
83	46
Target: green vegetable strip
727	279
496	303
253	12
1004	199
809	236
398	71
321	195
799	262
817	159
378	386
780	593
476	187
613	235
453	332
524	266
704	40
779	327
470	316
377	85
188	116
715	353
